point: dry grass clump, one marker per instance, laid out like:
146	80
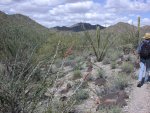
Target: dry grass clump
121	81
127	67
112	56
61	106
101	73
77	74
114	109
83	86
81	95
106	61
113	65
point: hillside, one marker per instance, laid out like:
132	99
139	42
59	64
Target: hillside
21	21
145	29
120	27
17	28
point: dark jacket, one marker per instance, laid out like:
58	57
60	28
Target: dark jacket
145	61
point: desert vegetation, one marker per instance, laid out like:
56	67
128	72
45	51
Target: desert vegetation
43	71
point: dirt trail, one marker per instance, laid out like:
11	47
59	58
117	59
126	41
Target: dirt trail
139	100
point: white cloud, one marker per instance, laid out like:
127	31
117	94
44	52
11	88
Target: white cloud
54	2
67	12
130	21
47	2
5	1
78	7
128	5
145	21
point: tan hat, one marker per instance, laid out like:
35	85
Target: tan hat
147	36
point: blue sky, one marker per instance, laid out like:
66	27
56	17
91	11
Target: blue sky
67	12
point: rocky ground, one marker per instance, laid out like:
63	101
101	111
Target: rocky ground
101	91
139	101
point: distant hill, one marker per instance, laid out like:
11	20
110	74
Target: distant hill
78	27
20	20
17	28
121	27
145	29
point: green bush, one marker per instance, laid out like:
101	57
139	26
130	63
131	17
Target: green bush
106	61
113	65
132	58
114	109
101	73
59	106
100	43
121	81
77	83
127	67
22	87
113	55
77	74
81	95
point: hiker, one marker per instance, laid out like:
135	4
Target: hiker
143	51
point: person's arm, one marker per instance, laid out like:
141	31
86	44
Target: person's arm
138	53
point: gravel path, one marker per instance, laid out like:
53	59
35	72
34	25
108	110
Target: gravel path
139	100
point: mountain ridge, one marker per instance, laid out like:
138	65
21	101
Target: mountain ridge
78	27
22	20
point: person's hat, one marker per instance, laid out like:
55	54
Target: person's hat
147	36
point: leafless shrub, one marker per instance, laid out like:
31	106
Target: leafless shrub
101	44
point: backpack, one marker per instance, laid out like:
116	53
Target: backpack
145	50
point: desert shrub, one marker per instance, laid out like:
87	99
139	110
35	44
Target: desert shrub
127	48
59	106
58	63
68	62
114	54
121	81
81	95
77	74
77	66
106	61
71	57
113	65
101	43
132	58
78	63
114	109
127	67
22	86
101	73
83	86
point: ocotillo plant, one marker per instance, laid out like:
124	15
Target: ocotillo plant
131	35
138	32
101	43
